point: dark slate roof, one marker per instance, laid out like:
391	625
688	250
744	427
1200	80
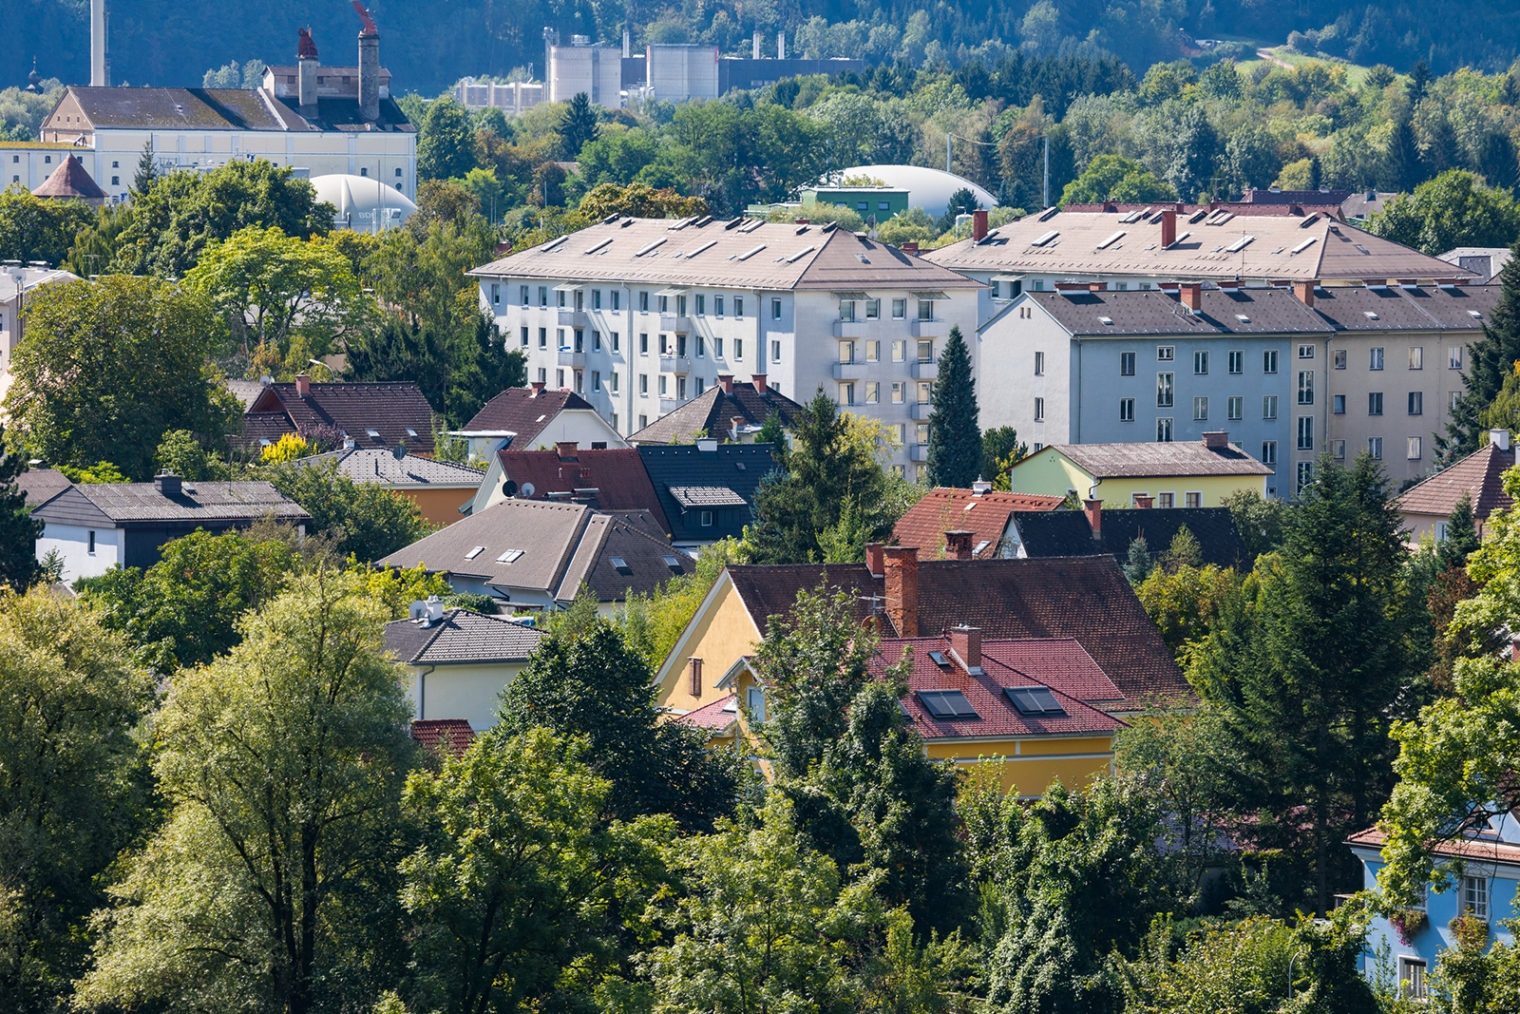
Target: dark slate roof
712	412
462	636
70	181
1335	197
1411	308
39	485
436	733
1479	476
1067	533
142	503
724	479
1086	598
616	473
378	465
338	113
224	109
520	411
352	409
1152	312
985	515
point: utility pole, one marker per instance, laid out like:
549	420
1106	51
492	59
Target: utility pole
1047	171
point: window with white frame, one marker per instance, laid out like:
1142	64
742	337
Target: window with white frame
1375	403
1237	361
1375	359
1165	353
1338	450
1306	352
1412	979
1339	359
1192	499
1375	448
1416	357
1269	452
1306	433
1305	475
1164	430
1039	410
1126	410
1454	358
1126	364
1269	406
1269	361
1200	363
1039	364
1306	387
1165	390
1416	449
1200	408
1235	408
1416	402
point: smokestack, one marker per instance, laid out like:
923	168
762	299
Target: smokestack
306	72
100	64
1168	228
755	46
781	45
369	66
627	43
902	588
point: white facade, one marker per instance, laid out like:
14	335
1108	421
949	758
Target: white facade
17	285
86	552
677	73
595	70
467	691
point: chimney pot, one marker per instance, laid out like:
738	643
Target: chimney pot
1216	440
1192	296
910	247
958	544
1305	292
726	381
303	385
966	644
759	382
1094	511
1499	438
565	449
873	559
1168	228
167	483
901	581
979	225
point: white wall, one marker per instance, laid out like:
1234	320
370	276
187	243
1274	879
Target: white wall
72	542
458	691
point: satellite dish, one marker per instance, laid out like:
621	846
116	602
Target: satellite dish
399	452
527	489
509	488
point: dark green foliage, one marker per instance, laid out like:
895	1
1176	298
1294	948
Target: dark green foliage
962	202
1138	564
18	529
39	229
1261	521
588	682
772	431
363	519
1455	209
1001	450
823	474
147	170
955	441
445	141
578	127
457	372
1461	535
1490	360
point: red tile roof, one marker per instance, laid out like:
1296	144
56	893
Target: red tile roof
1479	476
1482	846
946	508
436	733
714	717
617	474
518	410
70	181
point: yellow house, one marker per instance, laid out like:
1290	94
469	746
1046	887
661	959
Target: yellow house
1199	473
1046	622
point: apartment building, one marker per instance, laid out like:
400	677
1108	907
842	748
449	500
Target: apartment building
639	316
1290	374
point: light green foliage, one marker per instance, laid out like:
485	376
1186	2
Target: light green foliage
101	471
653	622
1184	600
18	529
396	588
955	440
37	229
1115	178
913	225
70	797
365	520
1455	209
1473	977
179	452
106	368
518	888
270	883
1261	522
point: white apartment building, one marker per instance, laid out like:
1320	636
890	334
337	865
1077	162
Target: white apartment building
638	316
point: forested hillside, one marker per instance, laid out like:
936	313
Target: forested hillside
429	45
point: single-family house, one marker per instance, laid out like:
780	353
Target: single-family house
982	512
608	478
731	410
706	490
387	415
1427	504
1192	473
532	418
1112	532
442	490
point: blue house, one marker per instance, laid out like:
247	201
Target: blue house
1483	887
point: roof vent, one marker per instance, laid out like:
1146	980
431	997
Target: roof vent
1370	314
1111	240
1047	237
1047	214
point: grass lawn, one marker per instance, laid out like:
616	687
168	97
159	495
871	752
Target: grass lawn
1355	73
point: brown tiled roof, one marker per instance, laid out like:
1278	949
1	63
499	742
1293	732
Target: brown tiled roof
714	717
712	412
1481	847
1085	598
437	733
985	515
1479	476
616	473
70	181
390	409
518	410
1159	458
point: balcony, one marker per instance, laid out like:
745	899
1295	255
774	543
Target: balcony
674	363
669	405
920	370
852	370
574	318
852	328
922	409
569	357
926	328
918	452
675	324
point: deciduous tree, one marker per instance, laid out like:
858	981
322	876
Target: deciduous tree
365	520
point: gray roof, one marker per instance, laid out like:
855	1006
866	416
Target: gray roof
1160	458
143	503
13	280
1151	312
1406	308
737	254
707	496
377	465
712	412
39	485
462	636
219	109
524	413
1217	245
1484	261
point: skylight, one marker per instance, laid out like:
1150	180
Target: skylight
1370	314
704	246
1475	315
1106	321
1034	700
939	659
373	434
981	546
474	552
1304	245
1240	244
1243	318
411	433
672	563
946	704
621	565
509	556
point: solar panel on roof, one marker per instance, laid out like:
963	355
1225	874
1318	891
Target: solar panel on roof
1034	700
946	704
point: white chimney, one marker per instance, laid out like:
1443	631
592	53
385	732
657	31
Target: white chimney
100	64
1499	438
755	46
781	45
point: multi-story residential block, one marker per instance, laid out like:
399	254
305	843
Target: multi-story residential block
1289	374
639	316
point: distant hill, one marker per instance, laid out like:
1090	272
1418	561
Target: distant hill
427	44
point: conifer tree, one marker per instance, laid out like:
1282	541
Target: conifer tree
955	441
578	127
1490	359
18	529
147	170
1461	535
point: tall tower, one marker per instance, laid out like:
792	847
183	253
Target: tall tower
100	65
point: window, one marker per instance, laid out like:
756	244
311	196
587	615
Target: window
701	347
1269	361
872	392
1306	352
643	383
1338	450
873	351
775	309
1375	448
775	352
706	518
115	181
559	378
925	392
1416	357
1454	358
1126	364
1200	409
643	343
899	351
1269	406
899	309
596	299
1306	387
615	343
613	383
1455	399
1166	499
1192	499
364	170
1235	408
1338	404
617	299
681	388
1039	410
926	350
1412	979
596	380
1416	402
1306	433
1305	475
847	394
926	309
596	341
643	420
738	307
91	550
664	385
1034	700
921	433
495	292
1340	359
1164	430
523	337
1269	452
1165	353
543	337
847	309
946	705
718	305
873	309
1376	358
1415	448
643	302
738	349
560	297
1039	364
1237	361
899	392
1200	363
543	295
1375	403
1126	410
701	304
717	348
1475	897
680	306
1164	390
522	292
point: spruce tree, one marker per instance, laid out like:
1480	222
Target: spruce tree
1490	359
147	171
578	127
955	441
1461	535
18	529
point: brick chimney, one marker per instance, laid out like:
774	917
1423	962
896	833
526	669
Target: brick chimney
565	449
1094	511
306	72
694	668
1216	440
303	385
958	544
978	225
966	644
1305	292
1097	286
901	567
1144	501
726	381
759	382
537	387
1168	228
873	559
1191	294
910	247
369	67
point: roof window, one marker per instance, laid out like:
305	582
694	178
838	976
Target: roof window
939	659
621	565
946	704
474	552
509	556
672	563
1034	700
